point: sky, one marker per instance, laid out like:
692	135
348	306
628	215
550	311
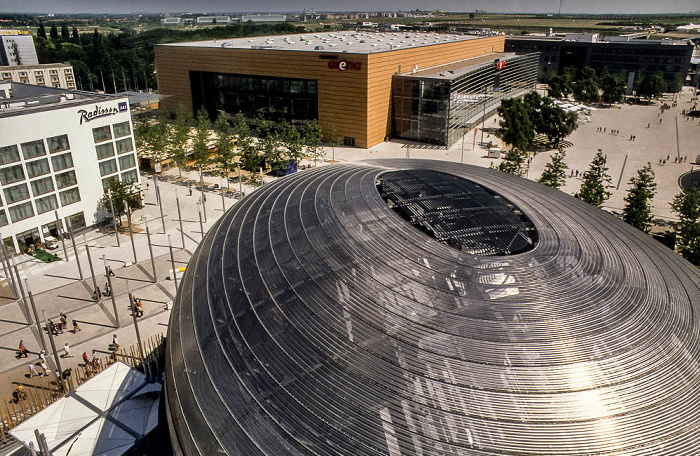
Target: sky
233	6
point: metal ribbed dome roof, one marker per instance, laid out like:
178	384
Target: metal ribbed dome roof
314	320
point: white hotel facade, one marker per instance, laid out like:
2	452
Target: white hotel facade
58	148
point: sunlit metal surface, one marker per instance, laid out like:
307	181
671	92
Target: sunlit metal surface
314	320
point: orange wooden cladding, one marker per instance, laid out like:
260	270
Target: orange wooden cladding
356	101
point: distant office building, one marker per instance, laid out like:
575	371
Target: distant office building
577	50
59	75
58	149
262	18
213	20
339	78
171	21
17	48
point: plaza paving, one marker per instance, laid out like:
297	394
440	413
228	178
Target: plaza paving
57	286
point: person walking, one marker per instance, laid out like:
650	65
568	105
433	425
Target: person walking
190	189
108	291
46	369
42	356
109	269
66	349
22	350
32	370
115	342
86	360
76	327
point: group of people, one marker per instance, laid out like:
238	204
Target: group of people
58	328
137	307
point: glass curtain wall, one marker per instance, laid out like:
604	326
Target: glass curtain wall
437	110
277	99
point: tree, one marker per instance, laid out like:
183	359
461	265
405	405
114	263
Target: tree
65	34
637	210
652	86
268	144
224	159
533	103
556	123
514	162
129	192
200	138
596	182
291	148
76	36
54	32
554	174
179	138
152	140
687	205
516	126
559	86
312	141
247	152
332	138
585	87
613	87
41	31
676	84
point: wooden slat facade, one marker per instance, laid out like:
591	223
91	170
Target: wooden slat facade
357	102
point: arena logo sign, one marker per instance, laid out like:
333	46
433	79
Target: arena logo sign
100	111
342	65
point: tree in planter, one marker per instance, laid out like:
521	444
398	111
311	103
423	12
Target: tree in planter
614	88
652	86
637	210
687	205
554	174
332	138
268	144
516	127
312	141
514	162
224	161
179	138
200	138
676	85
596	182
247	152
129	192
585	87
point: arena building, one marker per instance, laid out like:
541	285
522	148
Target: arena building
344	79
410	307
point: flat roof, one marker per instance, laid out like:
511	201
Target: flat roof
28	98
38	66
354	42
455	69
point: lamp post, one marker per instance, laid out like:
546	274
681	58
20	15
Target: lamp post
75	248
59	228
111	291
172	262
92	271
150	249
127	209
179	217
36	316
114	217
53	348
201	187
136	322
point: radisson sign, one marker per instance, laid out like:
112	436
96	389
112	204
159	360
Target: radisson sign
99	111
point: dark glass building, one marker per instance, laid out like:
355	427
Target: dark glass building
411	307
439	105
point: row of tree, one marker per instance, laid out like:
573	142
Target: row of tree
523	119
595	190
228	145
588	87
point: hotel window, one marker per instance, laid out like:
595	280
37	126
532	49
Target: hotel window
106	181
124	145
38	168
127	161
129	176
66	179
33	149
58	143
16	193
21	212
11	174
104	150
101	134
68	70
41	186
53	71
46	204
108	167
70	196
9	154
121	129
3	218
62	162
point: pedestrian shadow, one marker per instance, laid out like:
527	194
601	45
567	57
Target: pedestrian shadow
74	298
13	322
58	276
